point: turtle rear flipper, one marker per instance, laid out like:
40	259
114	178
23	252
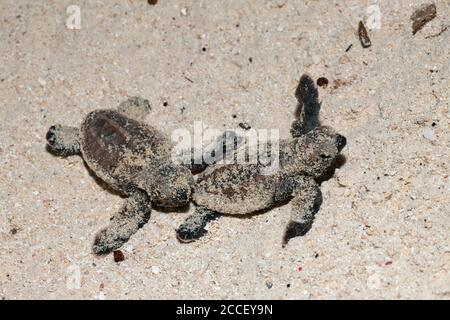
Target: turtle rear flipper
134	214
63	140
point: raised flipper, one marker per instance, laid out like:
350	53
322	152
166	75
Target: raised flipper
135	108
309	107
305	204
222	148
194	226
131	217
63	140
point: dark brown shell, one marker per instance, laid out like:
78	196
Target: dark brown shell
118	148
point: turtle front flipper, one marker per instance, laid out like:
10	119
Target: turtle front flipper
194	226
63	140
308	98
221	148
136	108
305	204
134	214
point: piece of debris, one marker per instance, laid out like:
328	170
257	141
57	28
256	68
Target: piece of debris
152	2
118	256
155	269
245	125
349	47
269	285
422	16
184	11
344	59
429	134
322	82
363	35
13	231
128	247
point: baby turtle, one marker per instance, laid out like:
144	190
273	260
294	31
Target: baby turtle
133	159
238	189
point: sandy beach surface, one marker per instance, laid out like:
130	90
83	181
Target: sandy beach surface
383	229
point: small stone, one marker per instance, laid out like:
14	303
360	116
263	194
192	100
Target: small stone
322	82
245	125
269	285
118	256
344	59
184	11
128	247
363	35
422	16
152	2
429	134
155	269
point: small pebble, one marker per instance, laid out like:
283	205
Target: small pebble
118	256
245	126
363	35
155	269
422	16
429	134
322	82
269	285
128	248
344	59
184	11
152	2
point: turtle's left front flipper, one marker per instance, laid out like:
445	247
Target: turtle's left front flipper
131	217
305	204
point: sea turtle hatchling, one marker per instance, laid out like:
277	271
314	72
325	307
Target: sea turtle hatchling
132	158
242	188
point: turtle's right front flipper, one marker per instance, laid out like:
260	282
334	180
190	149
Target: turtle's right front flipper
222	148
63	140
131	217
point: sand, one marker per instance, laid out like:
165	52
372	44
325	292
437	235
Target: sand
383	229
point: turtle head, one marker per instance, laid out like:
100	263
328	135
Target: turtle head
319	149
